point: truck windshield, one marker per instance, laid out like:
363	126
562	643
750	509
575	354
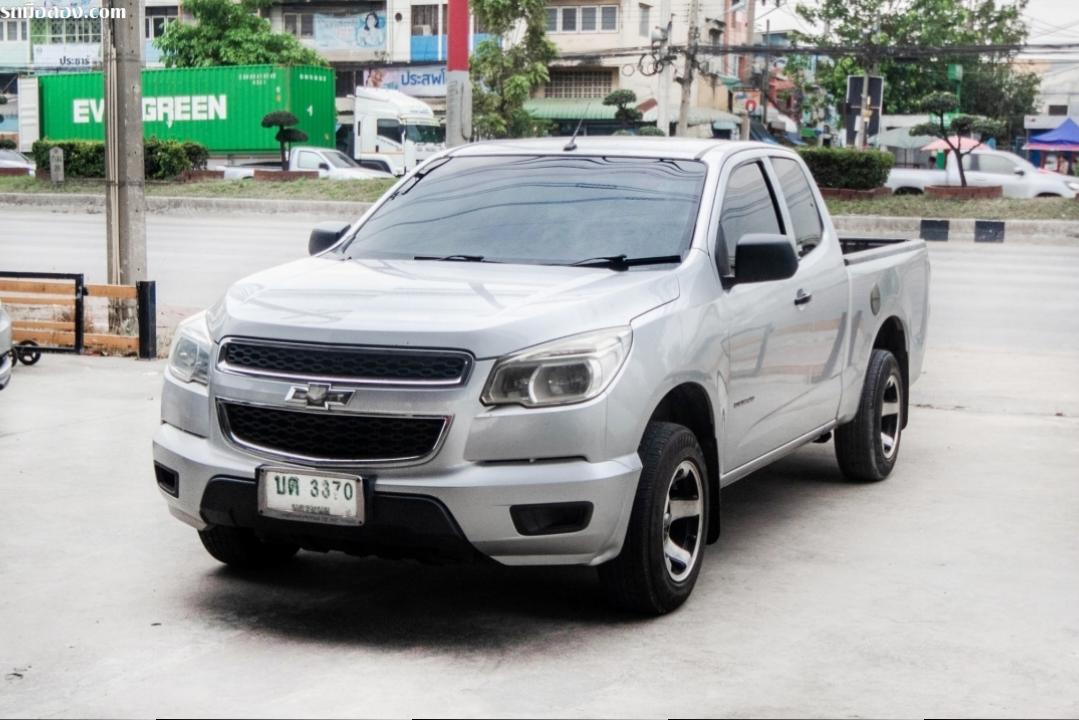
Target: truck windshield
538	209
425	133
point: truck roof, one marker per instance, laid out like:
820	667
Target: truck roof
665	147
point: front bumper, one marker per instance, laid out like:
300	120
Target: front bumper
215	484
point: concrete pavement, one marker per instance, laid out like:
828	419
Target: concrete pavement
947	590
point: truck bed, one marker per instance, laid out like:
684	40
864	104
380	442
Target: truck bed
864	249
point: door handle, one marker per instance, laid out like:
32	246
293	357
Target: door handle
802	297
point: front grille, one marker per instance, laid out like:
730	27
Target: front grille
331	436
356	364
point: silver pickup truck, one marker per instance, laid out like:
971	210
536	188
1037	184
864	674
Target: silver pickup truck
543	353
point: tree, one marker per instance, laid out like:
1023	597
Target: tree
622	99
230	33
960	127
504	75
286	135
872	29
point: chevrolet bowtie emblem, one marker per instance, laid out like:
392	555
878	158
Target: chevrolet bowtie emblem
318	395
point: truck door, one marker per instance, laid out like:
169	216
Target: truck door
778	346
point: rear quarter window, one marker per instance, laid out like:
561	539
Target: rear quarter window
801	204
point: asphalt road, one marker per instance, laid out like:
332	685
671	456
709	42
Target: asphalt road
948	590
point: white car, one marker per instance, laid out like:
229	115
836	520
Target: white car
7	358
13	159
329	164
983	168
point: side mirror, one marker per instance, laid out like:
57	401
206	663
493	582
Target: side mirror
325	236
762	257
324	166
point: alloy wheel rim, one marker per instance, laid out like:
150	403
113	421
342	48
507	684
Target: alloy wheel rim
891	417
682	519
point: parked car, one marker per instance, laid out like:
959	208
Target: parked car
1018	177
545	354
331	164
7	358
13	159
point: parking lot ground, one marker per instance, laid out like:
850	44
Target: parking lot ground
947	590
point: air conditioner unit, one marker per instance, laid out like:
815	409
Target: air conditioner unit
421	30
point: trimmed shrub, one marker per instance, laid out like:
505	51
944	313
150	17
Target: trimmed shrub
82	158
650	130
163	159
7	144
847	167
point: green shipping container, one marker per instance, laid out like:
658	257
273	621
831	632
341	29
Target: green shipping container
220	107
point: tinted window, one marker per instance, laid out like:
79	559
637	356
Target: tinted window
748	207
543	209
389	129
805	217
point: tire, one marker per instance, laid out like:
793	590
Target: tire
649	576
868	446
239	548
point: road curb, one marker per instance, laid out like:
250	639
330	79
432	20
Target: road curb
962	230
85	203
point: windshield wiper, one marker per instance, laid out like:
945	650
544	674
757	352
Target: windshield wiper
454	258
420	175
624	262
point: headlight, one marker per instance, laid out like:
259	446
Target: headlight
1073	186
189	359
570	370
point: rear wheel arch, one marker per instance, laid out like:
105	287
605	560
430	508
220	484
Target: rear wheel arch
689	405
892	336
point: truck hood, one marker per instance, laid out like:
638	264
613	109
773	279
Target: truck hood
488	309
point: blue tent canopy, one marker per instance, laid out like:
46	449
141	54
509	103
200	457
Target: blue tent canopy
1067	133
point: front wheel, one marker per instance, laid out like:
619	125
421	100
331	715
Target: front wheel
661	556
868	446
242	549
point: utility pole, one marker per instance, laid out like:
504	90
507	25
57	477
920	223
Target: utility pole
766	74
751	24
692	43
663	96
125	201
458	83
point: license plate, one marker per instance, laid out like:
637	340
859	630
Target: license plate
319	497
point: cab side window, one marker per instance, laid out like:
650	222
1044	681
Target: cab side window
389	130
804	213
749	206
307	161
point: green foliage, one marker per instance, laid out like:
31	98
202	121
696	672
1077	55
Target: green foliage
7	144
163	159
847	167
197	154
504	78
283	120
622	99
650	130
871	28
230	33
82	158
939	104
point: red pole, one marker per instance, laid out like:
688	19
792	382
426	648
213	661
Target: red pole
458	36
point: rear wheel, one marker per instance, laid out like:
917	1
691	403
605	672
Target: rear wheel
868	446
242	549
661	556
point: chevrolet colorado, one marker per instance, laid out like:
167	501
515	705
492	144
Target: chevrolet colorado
543	352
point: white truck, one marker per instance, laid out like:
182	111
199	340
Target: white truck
329	164
392	131
544	354
984	168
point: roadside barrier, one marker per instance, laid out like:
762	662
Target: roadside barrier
53	310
